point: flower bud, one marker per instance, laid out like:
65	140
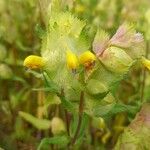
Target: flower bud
72	61
34	62
87	59
57	126
146	63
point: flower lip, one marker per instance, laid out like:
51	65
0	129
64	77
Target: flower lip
87	58
34	62
72	60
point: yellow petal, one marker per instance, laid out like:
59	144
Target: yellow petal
72	60
87	57
146	62
34	62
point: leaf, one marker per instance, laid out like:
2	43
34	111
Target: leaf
51	99
106	77
50	85
67	104
41	124
103	110
19	79
96	88
131	41
73	124
119	107
99	107
84	124
100	42
126	36
61	140
123	36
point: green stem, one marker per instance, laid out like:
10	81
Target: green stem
81	104
66	114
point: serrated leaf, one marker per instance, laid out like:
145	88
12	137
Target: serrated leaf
123	36
99	107
41	124
127	38
102	110
118	108
63	33
61	140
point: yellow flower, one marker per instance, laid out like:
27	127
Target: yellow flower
72	60
87	59
146	62
34	62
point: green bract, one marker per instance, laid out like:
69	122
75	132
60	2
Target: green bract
116	60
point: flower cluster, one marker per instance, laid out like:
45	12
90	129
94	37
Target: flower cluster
87	59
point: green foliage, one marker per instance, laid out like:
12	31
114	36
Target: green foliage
41	124
58	140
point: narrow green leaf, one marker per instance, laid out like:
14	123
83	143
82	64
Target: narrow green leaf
84	124
41	124
61	140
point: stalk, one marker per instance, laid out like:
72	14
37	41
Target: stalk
81	104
